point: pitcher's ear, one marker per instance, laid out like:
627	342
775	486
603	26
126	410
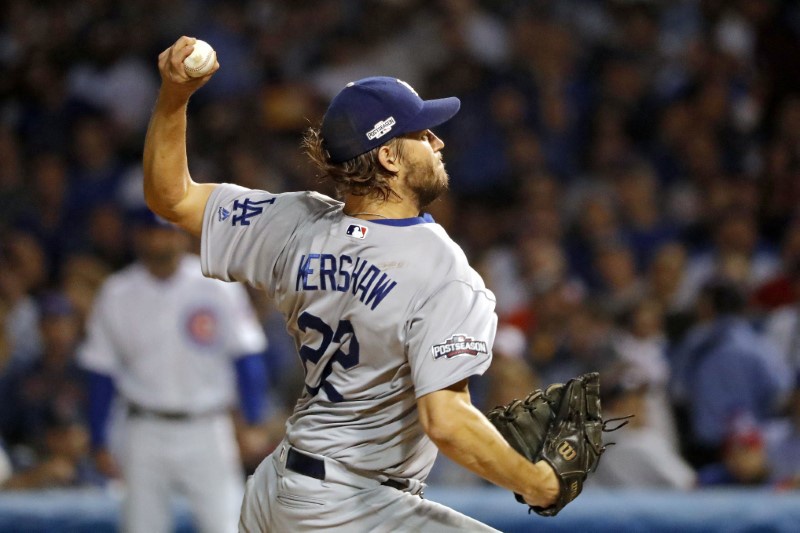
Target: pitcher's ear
388	159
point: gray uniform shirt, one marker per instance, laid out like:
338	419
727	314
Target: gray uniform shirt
381	314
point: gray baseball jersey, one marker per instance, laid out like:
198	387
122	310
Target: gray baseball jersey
382	312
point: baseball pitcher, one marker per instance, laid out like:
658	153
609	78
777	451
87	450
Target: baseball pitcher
388	318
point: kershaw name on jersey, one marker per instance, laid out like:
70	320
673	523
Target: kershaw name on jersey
327	272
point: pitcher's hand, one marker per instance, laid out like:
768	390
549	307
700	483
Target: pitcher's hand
174	79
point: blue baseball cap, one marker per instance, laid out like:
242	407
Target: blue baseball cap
142	217
369	112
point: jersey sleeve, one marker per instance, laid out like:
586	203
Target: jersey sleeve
246	336
246	231
98	352
450	337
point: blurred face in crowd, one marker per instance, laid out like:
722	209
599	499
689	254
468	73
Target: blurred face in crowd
543	263
93	145
747	461
160	248
616	267
11	285
553	306
701	155
647	319
735	267
636	194
667	269
524	149
598	220
24	257
70	441
60	334
508	106
540	190
704	308
737	234
50	181
623	80
107	230
630	402
586	333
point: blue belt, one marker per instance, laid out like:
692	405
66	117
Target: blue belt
304	464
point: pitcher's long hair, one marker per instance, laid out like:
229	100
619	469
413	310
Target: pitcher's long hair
364	175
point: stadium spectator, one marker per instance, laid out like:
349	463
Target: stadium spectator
744	459
583	345
782	437
782	326
96	172
20	316
62	456
780	290
597	225
45	216
737	253
110	78
642	456
646	227
725	369
619	285
640	341
49	383
510	377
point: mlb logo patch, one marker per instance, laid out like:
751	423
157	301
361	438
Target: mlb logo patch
356	231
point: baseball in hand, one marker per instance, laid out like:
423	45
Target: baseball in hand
201	60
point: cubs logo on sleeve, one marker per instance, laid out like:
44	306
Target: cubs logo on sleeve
459	345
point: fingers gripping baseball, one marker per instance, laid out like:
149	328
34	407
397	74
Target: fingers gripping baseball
173	72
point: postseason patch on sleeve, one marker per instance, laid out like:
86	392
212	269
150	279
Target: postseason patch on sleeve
459	345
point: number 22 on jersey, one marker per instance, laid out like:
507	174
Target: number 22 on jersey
344	332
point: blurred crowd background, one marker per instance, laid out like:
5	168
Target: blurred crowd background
624	174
